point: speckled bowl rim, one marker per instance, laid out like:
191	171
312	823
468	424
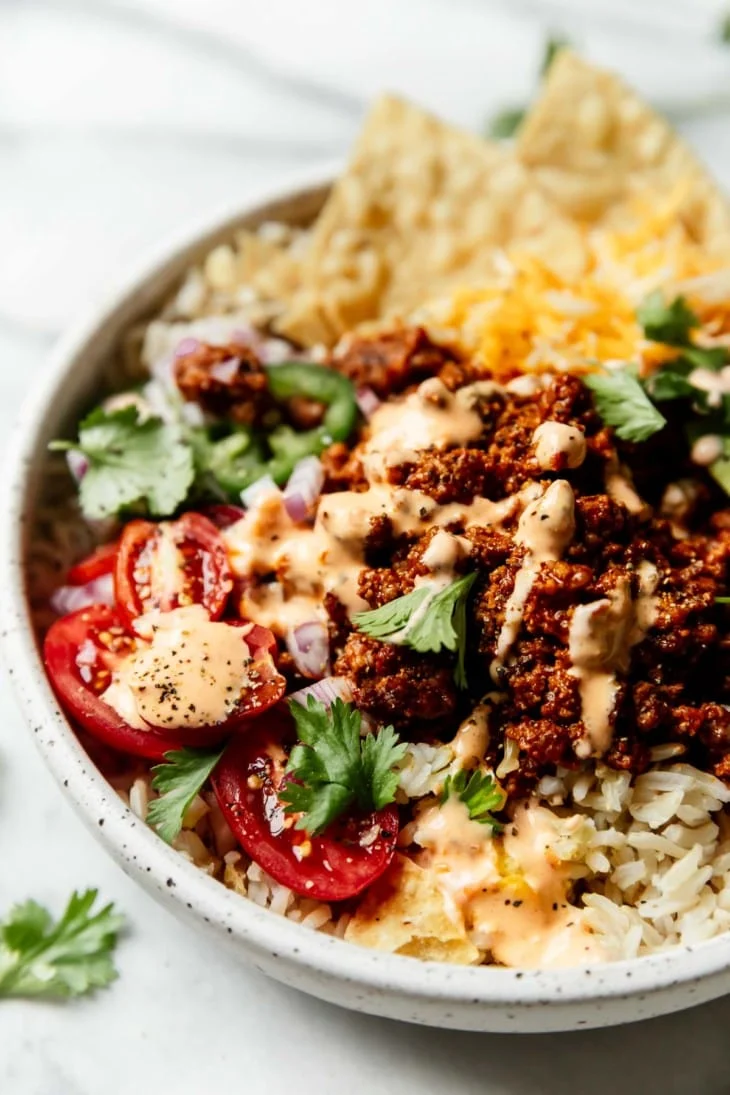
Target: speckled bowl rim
147	858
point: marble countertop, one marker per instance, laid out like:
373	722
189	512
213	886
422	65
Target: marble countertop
119	120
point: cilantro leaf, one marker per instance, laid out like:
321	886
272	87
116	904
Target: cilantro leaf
479	792
622	403
720	471
334	767
131	461
178	780
391	618
671	382
704	357
425	621
378	754
70	958
662	322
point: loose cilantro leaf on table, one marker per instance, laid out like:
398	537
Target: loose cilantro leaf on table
425	621
622	403
178	780
54	961
335	768
479	792
132	461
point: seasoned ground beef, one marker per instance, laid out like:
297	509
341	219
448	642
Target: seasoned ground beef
396	685
392	362
225	380
678	679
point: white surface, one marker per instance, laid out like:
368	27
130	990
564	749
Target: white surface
117	121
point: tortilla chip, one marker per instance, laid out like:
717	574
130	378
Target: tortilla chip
406	912
593	145
422	208
234	877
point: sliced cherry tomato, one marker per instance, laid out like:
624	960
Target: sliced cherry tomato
339	863
224	515
172	564
259	638
100	562
81	651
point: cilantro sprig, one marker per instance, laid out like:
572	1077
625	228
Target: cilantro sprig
47	960
670	322
480	793
629	404
425	621
622	403
333	768
133	461
179	780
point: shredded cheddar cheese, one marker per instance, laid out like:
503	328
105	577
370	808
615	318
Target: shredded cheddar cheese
530	318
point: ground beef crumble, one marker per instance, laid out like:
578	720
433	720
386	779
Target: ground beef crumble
225	380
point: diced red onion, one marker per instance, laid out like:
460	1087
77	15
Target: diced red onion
308	645
258	490
304	488
187	346
326	691
225	371
100	591
296	506
78	465
367	401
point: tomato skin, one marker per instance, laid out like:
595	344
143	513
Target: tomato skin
82	700
205	579
338	866
223	514
101	561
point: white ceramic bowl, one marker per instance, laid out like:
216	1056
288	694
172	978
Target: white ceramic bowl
402	988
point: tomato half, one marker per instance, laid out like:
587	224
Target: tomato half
100	562
171	564
339	863
81	651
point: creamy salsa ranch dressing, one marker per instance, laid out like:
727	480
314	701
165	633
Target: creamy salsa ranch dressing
601	637
511	890
190	674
